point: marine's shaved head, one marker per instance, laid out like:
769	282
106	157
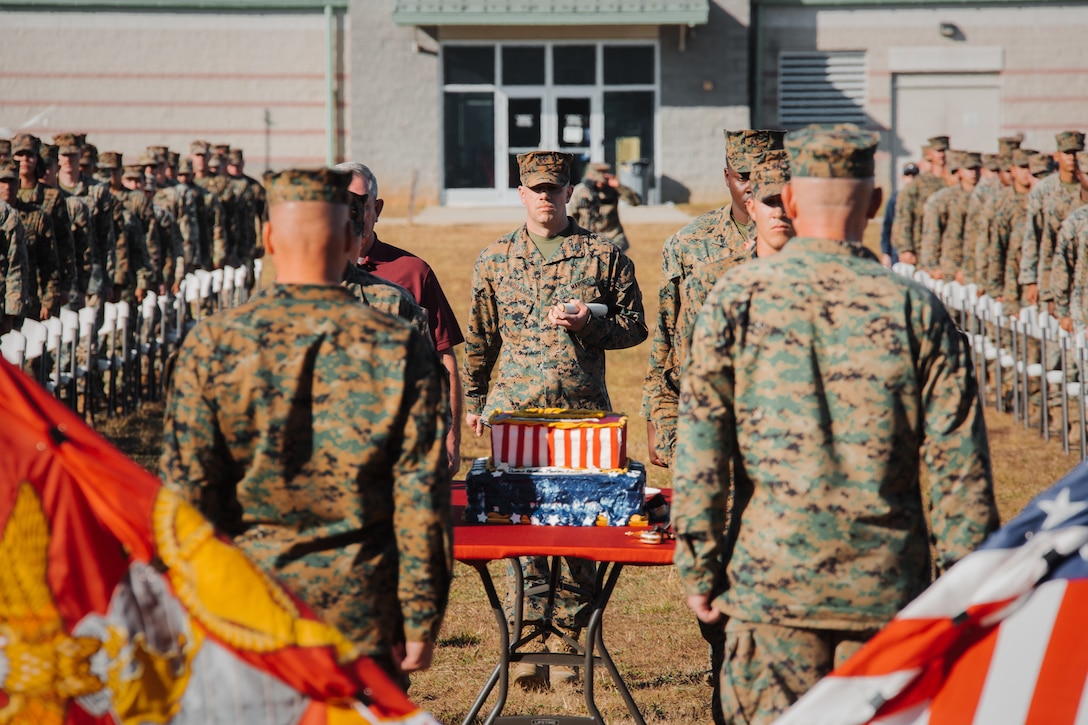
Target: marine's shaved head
831	208
308	241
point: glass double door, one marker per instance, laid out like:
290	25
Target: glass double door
553	120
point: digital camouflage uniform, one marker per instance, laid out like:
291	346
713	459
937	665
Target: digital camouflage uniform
222	209
1048	204
1068	276
595	205
51	202
1002	276
537	364
713	236
976	224
910	206
386	296
14	262
311	429
43	285
943	228
823	381
254	211
180	201
83	240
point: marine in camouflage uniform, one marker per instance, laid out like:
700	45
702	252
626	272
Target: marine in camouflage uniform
222	187
1049	203
1069	270
543	358
42	288
99	259
254	208
1009	214
138	218
974	224
5	150
14	268
768	177
805	370
338	489
944	217
27	150
981	211
595	204
207	186
180	201
910	204
721	234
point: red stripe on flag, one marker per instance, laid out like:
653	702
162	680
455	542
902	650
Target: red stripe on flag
1065	665
534	433
969	663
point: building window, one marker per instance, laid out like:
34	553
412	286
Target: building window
595	100
821	87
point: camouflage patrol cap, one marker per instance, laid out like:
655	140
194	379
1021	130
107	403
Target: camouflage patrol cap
1070	141
1004	160
81	139
89	155
199	148
970	160
5	148
318	184
221	148
160	152
771	174
24	143
214	161
597	170
745	149
545	167
839	151
235	157
49	154
1021	156
185	166
172	159
147	158
66	143
938	143
155	153
1008	143
991	162
9	170
109	160
953	159
133	171
1039	164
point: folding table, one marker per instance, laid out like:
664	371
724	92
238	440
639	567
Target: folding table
609	546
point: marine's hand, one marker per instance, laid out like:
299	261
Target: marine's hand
476	423
704	610
651	445
1031	293
417	656
573	321
908	258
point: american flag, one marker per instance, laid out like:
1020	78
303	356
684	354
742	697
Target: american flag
1000	638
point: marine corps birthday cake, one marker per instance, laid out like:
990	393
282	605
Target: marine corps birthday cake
556	467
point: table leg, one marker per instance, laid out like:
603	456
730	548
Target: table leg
501	673
595	642
593	649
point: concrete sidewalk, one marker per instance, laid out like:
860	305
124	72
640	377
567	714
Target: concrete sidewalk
515	215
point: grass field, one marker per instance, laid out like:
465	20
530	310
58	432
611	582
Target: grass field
649	631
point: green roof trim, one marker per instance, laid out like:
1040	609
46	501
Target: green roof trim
173	5
551	12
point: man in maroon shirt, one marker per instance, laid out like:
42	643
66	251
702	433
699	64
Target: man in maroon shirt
416	276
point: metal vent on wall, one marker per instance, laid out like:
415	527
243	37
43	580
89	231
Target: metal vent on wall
821	87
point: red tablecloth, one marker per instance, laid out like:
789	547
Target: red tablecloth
485	542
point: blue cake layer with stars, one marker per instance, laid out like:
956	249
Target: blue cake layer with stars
554	496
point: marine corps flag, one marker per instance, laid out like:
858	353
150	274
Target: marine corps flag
1000	638
119	604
